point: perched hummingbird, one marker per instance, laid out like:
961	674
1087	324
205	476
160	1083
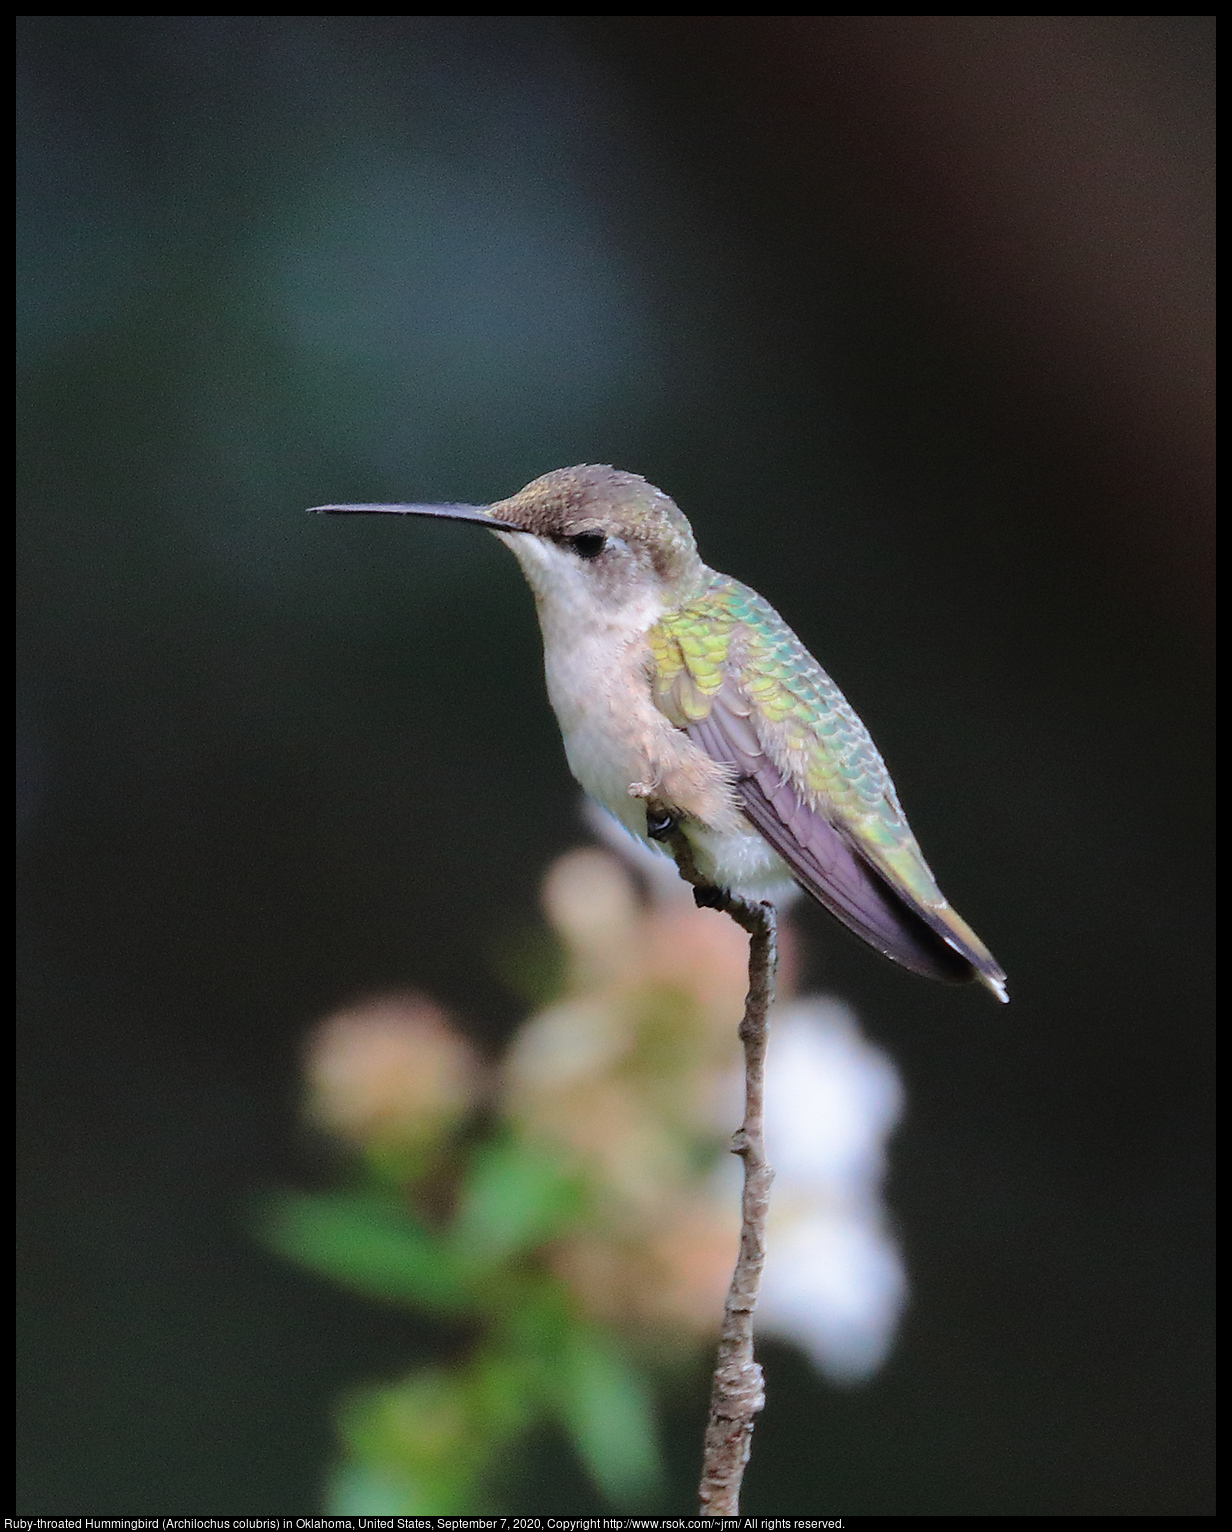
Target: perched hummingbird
689	708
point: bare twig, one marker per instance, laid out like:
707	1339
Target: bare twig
738	1392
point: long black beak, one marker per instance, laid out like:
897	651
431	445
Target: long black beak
477	513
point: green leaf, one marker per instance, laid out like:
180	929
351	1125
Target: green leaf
515	1198
370	1245
430	1437
358	1490
607	1409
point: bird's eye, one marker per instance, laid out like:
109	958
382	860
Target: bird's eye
588	545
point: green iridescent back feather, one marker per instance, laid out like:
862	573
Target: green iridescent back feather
727	632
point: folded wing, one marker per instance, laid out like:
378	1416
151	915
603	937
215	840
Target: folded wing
822	860
810	780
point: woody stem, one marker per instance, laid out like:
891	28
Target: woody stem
737	1390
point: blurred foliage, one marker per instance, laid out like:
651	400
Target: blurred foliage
527	1207
569	1217
431	1443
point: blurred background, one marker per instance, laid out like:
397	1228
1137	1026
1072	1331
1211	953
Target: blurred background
912	317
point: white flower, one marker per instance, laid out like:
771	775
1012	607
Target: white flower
832	1100
834	1281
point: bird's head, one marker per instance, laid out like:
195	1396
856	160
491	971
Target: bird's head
590	536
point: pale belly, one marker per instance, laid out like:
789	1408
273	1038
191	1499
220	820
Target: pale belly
611	729
744	864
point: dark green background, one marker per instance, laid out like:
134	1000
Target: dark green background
910	315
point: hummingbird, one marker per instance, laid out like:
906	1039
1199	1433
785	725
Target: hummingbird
694	715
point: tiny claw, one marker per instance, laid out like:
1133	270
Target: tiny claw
660	823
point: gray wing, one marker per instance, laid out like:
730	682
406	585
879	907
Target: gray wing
821	859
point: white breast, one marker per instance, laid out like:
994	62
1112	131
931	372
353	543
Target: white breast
599	691
594	661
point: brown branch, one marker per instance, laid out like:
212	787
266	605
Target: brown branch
738	1391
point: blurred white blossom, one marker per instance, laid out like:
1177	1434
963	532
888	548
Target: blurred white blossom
834	1281
634	1076
636	1071
598	1194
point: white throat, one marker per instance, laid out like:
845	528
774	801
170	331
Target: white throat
594	664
